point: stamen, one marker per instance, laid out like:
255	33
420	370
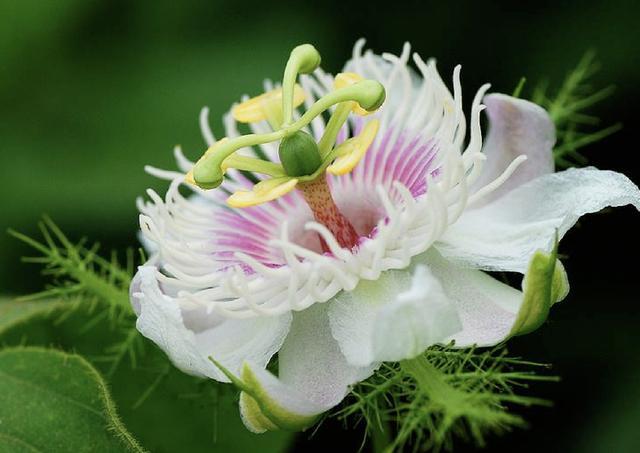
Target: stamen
318	196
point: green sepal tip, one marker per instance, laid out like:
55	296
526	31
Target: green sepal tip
261	411
545	283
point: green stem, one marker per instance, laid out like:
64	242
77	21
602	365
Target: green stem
443	397
429	379
381	437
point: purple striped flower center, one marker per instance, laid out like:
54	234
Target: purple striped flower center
353	217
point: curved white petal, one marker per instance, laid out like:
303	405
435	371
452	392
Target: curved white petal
313	377
504	234
491	311
190	337
393	318
516	127
311	361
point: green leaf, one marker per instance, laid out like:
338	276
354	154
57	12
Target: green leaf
164	408
57	402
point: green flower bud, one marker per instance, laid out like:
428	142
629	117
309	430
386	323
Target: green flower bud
299	154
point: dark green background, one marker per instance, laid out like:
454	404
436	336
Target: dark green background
90	91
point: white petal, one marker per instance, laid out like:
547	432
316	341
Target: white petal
486	307
189	338
516	127
491	311
503	235
313	377
266	403
393	318
311	362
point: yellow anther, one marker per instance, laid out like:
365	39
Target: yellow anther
344	79
352	151
257	108
262	192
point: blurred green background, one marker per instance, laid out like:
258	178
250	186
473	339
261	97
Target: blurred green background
92	90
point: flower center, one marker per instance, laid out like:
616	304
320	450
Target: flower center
318	196
303	160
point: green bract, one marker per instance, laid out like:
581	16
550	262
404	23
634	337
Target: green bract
262	410
545	283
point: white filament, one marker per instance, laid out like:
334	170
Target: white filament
209	139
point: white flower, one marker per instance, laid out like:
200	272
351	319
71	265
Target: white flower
430	211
